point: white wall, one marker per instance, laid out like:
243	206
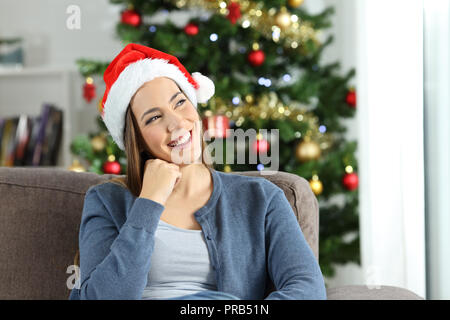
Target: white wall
343	49
51	42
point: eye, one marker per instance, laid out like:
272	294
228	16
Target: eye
182	100
150	120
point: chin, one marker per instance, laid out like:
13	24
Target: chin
187	157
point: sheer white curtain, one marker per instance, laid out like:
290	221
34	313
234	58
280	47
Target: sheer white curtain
390	116
437	142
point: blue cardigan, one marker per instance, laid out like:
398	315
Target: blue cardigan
250	229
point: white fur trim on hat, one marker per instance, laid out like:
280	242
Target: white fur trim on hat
206	87
130	80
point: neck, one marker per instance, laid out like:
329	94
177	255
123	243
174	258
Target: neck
194	179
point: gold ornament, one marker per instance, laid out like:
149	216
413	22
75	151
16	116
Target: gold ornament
249	98
316	185
295	3
98	143
99	106
283	18
76	166
227	168
307	150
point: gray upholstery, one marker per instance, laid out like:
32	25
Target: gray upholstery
40	212
371	292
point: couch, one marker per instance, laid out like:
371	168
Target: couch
40	213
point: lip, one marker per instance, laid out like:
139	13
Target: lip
184	145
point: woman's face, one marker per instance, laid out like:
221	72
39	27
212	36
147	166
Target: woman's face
165	114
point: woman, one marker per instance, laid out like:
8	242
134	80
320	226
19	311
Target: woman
175	228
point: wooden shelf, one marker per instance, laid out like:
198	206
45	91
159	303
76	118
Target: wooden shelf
30	71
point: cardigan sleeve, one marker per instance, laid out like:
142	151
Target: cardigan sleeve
114	264
291	263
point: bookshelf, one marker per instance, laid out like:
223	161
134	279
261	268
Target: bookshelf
24	91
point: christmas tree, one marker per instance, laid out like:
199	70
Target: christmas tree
264	58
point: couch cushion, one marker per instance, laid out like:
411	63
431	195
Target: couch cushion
40	213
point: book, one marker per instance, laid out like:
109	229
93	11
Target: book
8	142
2	125
37	152
53	135
6	127
22	139
35	125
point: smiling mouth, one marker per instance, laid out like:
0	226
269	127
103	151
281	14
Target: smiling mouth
189	140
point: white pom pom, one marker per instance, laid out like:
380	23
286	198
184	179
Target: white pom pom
206	87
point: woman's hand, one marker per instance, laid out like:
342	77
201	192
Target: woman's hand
160	178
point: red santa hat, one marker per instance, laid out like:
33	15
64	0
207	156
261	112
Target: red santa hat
131	68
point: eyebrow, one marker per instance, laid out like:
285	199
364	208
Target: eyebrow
156	108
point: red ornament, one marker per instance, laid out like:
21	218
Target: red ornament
351	98
216	126
350	181
131	17
256	57
260	146
191	29
234	12
112	167
89	91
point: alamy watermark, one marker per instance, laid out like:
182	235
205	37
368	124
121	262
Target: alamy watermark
73	21
236	152
372	277
73	281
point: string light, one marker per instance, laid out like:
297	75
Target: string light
349	169
213	37
275	24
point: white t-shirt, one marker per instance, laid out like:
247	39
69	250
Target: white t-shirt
180	264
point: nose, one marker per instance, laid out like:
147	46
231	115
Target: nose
176	123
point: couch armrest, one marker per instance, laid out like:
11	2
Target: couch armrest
364	292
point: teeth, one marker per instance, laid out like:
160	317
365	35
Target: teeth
182	140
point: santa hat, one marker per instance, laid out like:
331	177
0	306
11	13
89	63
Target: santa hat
131	68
